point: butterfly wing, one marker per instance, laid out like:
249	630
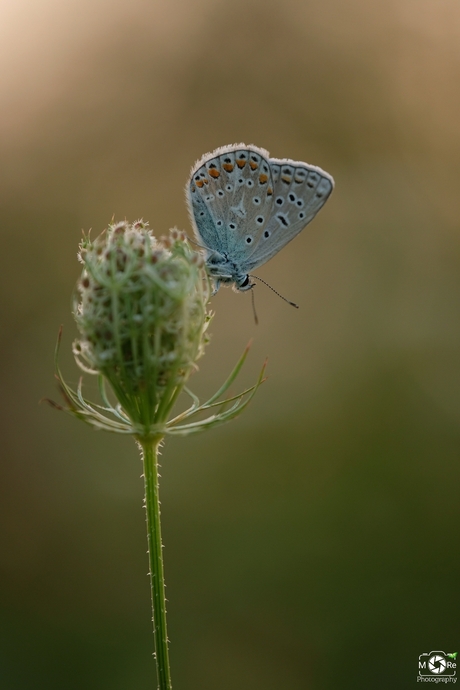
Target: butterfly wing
230	198
300	191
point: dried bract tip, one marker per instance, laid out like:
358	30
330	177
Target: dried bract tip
140	224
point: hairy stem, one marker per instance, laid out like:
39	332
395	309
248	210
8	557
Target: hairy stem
152	507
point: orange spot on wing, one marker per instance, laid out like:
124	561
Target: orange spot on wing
228	167
263	179
240	162
214	173
253	165
286	179
269	191
200	183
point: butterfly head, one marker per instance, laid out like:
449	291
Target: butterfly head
223	270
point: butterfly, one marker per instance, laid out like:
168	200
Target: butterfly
245	207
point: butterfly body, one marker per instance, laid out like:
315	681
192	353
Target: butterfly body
245	207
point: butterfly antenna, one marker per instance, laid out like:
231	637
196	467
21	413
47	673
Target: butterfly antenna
256	320
293	304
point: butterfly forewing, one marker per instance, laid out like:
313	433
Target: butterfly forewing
236	188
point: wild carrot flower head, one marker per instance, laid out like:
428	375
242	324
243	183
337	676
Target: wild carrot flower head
141	313
141	310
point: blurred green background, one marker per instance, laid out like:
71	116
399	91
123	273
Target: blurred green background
313	543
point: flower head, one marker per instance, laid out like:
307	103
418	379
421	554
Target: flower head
141	310
141	313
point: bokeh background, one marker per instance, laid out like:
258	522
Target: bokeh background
314	543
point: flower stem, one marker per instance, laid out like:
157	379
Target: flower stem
150	448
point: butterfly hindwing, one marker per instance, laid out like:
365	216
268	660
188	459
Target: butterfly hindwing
300	191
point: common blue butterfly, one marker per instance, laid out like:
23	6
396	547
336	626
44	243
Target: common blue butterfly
245	207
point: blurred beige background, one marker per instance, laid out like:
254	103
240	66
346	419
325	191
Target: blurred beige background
313	544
